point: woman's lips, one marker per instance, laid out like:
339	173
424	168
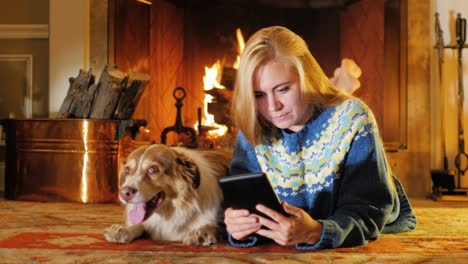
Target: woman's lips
279	117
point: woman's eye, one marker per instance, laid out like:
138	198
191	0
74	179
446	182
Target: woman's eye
283	89
259	95
126	170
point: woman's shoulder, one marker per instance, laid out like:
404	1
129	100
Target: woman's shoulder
354	109
354	105
352	113
351	108
241	139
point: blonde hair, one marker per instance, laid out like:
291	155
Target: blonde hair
282	45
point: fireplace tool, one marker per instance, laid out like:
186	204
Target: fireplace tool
461	159
179	94
441	178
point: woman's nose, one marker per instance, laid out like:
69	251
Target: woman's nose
274	104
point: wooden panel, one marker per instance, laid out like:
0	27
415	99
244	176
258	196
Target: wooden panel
129	45
396	97
362	38
379	48
166	68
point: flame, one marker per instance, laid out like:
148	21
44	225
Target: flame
210	81
240	47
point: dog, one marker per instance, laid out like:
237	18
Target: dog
171	193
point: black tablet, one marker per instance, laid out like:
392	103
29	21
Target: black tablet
245	191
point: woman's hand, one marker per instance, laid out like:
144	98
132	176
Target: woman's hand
299	227
240	223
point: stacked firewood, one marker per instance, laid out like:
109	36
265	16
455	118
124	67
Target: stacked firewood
115	96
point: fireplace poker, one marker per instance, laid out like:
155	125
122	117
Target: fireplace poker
461	155
440	52
441	178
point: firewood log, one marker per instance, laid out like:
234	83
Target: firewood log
81	106
77	88
108	92
229	77
88	100
128	101
220	95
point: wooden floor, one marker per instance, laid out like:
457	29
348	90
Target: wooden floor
32	232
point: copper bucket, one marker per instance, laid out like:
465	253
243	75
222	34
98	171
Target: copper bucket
63	159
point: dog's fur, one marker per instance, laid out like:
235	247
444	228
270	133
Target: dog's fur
180	189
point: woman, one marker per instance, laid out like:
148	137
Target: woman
320	148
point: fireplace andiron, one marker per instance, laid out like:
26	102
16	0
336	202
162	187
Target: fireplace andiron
179	94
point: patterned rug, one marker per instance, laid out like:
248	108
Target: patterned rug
72	233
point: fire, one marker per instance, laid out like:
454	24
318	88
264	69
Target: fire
240	47
210	81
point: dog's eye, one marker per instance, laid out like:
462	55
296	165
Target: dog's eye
153	170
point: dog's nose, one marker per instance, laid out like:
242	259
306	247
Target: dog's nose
127	193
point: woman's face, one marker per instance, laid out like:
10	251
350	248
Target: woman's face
278	96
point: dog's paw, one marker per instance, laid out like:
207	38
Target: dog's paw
118	234
200	237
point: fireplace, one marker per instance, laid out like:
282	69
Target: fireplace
174	40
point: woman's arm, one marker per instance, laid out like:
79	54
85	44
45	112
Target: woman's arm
244	159
364	194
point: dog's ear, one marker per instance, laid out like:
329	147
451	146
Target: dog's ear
189	170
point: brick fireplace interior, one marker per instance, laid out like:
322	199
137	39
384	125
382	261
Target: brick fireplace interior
174	40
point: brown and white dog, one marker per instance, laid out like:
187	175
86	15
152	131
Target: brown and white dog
171	193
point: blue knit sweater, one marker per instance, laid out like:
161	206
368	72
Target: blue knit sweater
335	169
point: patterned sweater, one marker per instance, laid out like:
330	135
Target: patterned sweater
335	169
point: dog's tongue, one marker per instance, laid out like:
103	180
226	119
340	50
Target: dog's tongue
137	214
